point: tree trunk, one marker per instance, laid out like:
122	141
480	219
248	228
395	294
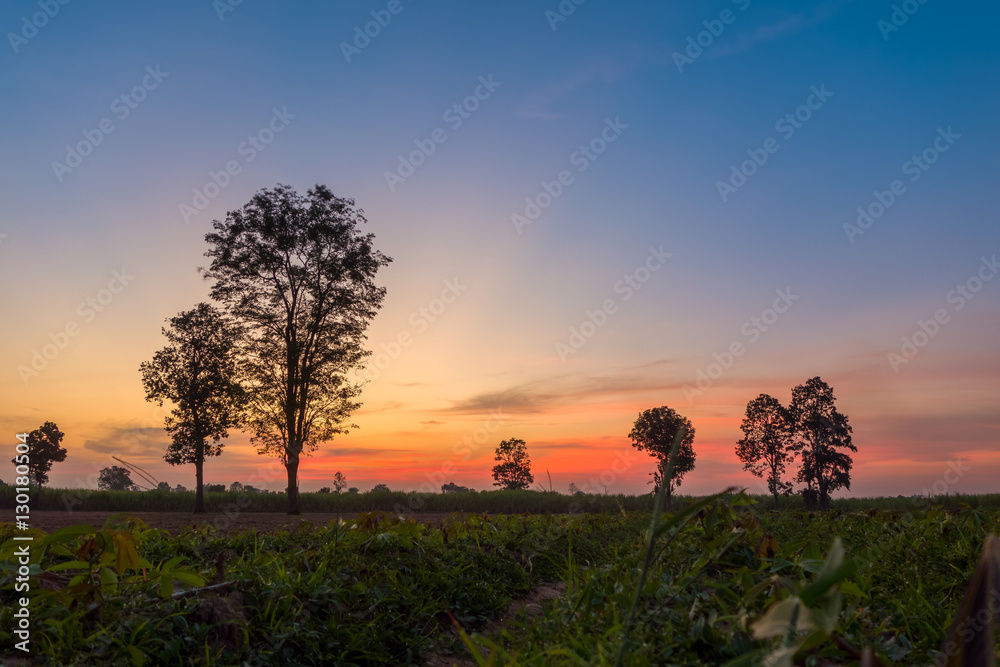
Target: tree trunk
292	466
199	490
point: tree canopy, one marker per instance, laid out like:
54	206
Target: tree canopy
821	433
513	470
115	478
44	449
197	372
765	447
654	432
298	275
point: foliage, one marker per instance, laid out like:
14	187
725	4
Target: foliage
821	431
43	450
115	478
300	278
451	487
723	585
339	482
514	468
380	488
764	449
654	432
196	371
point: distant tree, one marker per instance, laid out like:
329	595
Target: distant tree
765	446
654	432
821	433
115	478
163	486
574	490
514	468
196	371
339	482
183	489
451	487
300	276
353	490
324	489
43	450
213	488
247	488
380	488
236	487
3	483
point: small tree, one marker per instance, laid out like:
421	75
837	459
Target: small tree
380	488
654	432
574	490
212	488
196	371
324	489
764	448
514	468
115	478
821	431
163	486
339	482
43	450
353	490
236	487
181	488
451	487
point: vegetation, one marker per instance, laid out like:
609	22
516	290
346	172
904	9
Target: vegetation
116	478
725	584
654	432
339	482
822	432
196	371
298	276
764	448
43	450
513	470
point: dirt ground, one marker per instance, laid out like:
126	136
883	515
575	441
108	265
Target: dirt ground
175	522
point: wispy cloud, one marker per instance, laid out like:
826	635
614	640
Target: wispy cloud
787	25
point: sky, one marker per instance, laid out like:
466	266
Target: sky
593	209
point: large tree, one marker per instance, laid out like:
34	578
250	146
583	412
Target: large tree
821	435
765	446
654	432
298	274
513	470
197	372
43	450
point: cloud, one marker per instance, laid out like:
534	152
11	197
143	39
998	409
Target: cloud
432	422
125	442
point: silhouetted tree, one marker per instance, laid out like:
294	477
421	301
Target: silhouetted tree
236	487
180	488
213	488
654	432
43	450
196	371
451	487
324	489
765	446
353	490
514	468
163	486
380	488
339	482
298	274
820	433
115	478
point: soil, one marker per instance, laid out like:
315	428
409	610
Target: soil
176	522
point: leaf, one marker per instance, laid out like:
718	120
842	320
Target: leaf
777	622
126	557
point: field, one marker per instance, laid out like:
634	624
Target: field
719	580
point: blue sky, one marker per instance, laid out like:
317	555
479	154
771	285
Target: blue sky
555	86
